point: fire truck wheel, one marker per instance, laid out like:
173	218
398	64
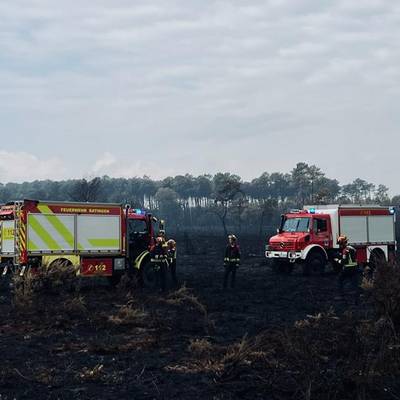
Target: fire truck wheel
315	262
376	259
148	276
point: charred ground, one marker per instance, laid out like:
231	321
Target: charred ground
274	337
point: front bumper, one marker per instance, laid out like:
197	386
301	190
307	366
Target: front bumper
291	255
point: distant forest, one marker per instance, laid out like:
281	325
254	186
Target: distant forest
210	203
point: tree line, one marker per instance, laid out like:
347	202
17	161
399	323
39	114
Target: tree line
219	203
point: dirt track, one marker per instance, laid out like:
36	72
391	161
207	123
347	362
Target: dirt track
102	343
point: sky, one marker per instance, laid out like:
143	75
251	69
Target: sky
167	87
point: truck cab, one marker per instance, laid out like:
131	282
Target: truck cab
298	229
140	235
140	232
299	232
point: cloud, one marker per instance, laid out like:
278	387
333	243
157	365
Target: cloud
108	164
104	162
22	167
130	81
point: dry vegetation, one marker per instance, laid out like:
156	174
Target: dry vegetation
55	279
60	339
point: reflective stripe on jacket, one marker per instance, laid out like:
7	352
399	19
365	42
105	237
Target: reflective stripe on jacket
158	260
350	263
349	258
171	254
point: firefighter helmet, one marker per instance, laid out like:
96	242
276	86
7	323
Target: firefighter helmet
342	239
171	243
232	237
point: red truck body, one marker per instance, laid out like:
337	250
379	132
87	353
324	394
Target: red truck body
310	235
101	238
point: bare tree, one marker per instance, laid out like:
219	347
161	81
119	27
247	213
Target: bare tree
226	188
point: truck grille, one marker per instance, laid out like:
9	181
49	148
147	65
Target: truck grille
283	246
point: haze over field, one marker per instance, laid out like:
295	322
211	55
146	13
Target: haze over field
167	87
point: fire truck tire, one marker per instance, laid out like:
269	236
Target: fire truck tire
316	263
60	262
147	275
376	259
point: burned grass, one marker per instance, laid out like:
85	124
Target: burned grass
274	337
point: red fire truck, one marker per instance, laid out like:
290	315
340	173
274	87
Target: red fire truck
102	239
309	237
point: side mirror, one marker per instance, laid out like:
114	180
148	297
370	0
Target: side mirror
161	225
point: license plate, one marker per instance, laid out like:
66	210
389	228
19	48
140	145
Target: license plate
97	267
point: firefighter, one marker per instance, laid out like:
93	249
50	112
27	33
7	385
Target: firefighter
171	255
347	262
159	261
231	261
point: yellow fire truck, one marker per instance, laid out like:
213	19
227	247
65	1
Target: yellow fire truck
102	239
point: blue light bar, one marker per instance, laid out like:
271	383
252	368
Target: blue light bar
139	211
311	210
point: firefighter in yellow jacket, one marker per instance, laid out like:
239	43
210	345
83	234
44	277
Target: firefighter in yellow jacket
347	260
159	262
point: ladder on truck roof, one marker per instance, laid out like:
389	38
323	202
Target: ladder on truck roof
338	206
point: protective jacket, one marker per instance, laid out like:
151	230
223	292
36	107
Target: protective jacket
232	255
158	254
348	259
171	254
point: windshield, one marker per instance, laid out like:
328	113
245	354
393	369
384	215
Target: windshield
136	227
296	225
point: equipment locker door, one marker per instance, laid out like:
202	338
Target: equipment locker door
7	237
381	228
99	233
49	233
355	228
